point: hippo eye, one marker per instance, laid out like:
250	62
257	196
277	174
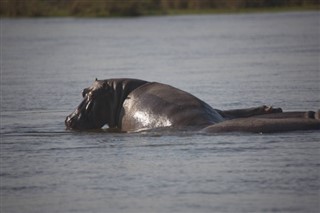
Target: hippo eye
105	85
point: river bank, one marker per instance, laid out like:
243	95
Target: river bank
242	10
137	8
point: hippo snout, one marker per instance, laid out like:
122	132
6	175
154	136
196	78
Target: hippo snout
73	121
69	122
80	121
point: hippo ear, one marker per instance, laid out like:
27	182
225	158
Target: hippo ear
105	85
96	79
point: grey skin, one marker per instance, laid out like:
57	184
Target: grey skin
131	105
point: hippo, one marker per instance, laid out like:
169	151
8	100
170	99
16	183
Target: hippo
133	105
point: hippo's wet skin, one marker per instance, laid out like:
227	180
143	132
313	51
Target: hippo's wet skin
131	105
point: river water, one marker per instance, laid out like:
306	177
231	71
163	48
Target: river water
229	61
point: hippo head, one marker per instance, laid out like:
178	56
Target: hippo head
95	110
102	103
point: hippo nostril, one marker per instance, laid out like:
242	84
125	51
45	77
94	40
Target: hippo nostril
69	122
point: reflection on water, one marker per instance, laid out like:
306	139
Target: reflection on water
229	61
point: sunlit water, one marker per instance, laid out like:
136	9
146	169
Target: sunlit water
229	61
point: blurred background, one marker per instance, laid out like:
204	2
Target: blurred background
106	8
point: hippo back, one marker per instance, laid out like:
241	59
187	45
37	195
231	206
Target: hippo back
156	105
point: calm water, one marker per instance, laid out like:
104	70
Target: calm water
230	61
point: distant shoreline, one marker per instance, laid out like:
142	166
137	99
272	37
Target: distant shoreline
64	12
242	10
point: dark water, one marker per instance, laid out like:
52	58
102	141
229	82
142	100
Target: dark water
230	61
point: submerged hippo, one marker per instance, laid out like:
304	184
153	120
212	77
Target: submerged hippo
131	105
